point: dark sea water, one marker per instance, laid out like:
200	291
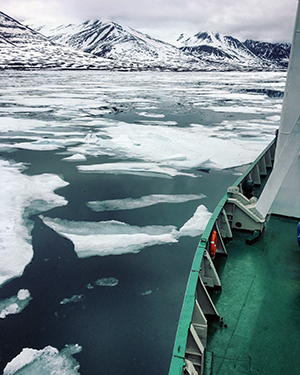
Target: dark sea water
122	309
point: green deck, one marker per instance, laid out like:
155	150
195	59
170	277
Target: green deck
260	305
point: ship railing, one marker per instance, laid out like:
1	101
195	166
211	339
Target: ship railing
236	210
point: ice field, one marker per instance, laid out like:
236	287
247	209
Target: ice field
107	181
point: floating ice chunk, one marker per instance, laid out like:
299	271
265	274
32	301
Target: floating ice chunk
99	112
275	118
138	168
159	122
110	237
146	201
91	138
239	109
45	361
160	146
178	157
146	293
20	192
107	281
13	308
40	145
196	224
75	157
23	294
20	124
15	304
155	115
75	298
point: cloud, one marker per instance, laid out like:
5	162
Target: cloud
267	20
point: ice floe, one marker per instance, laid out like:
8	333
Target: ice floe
148	114
169	150
22	196
152	139
75	157
146	293
15	304
110	237
45	361
136	168
145	201
10	124
114	237
75	298
158	123
107	281
196	224
91	138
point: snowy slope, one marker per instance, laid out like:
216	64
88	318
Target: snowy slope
24	48
111	40
227	49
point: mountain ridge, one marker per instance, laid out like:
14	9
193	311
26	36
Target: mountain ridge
24	48
227	48
106	45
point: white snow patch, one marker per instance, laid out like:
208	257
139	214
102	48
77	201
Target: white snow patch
21	196
45	361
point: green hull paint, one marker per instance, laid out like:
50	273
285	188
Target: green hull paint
260	304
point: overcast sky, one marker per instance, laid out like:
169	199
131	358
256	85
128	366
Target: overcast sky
264	20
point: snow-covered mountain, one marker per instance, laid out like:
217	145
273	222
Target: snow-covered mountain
203	51
24	48
217	47
226	49
113	41
110	46
278	53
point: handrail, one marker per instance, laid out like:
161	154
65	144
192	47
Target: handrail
185	321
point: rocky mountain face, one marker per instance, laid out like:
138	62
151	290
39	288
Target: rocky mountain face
227	49
110	46
115	42
278	53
